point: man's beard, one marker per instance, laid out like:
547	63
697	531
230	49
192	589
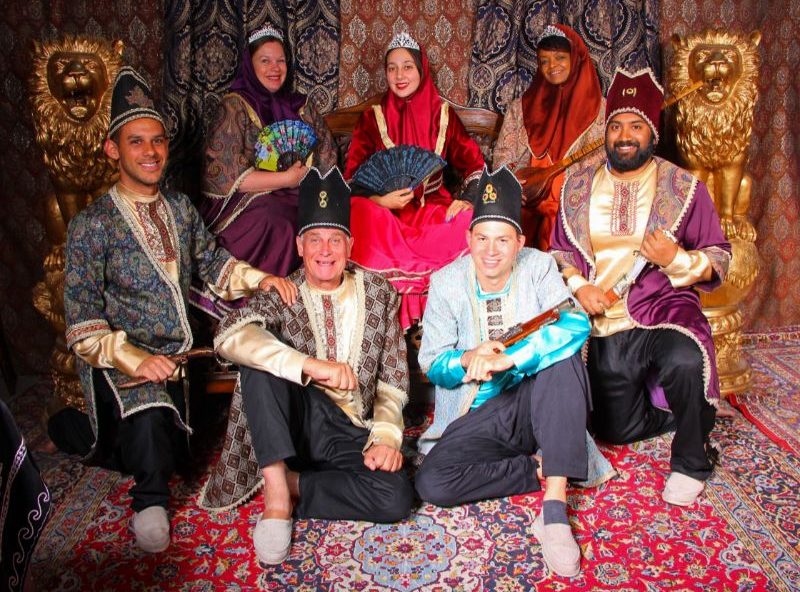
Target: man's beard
637	160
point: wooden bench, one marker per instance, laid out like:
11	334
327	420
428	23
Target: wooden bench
483	125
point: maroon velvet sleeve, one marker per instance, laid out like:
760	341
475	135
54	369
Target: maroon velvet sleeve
701	230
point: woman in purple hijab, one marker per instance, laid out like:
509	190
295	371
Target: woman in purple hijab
253	212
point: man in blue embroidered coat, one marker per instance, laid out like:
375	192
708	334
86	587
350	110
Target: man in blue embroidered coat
636	217
495	407
323	383
130	255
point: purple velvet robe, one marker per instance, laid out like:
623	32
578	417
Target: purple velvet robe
681	205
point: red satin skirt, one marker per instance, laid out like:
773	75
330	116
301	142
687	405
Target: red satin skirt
407	246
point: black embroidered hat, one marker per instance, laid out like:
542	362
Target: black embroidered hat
131	99
324	201
499	198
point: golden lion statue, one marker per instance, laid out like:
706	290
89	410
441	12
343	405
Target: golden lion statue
70	93
714	124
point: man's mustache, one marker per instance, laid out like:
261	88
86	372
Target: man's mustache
625	144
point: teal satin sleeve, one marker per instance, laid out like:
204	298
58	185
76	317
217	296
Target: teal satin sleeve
547	346
446	370
550	344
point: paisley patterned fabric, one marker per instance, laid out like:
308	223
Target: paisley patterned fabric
379	361
204	47
442	27
683	206
617	33
24	182
114	282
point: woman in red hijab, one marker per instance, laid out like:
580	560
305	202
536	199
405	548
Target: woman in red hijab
406	235
561	112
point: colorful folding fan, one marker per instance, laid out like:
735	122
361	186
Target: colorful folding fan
282	143
397	168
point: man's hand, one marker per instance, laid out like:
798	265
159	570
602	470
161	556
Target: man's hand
380	457
285	289
338	375
155	368
658	248
455	208
593	300
485	360
484	349
394	200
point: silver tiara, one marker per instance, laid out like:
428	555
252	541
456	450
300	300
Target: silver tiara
551	31
265	31
402	39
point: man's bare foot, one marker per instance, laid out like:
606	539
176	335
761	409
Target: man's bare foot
277	498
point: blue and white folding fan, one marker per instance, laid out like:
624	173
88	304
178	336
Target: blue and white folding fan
397	168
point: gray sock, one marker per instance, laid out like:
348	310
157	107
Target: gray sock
554	512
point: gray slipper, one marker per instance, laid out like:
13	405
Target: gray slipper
682	490
561	553
151	527
272	539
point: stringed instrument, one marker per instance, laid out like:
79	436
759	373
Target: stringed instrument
536	181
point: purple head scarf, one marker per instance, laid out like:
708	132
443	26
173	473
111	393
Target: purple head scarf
270	107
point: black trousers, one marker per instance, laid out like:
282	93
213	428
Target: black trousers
487	452
303	427
146	445
620	368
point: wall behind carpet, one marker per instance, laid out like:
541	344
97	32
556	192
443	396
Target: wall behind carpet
774	157
23	181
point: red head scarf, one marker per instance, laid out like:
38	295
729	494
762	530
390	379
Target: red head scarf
415	119
555	116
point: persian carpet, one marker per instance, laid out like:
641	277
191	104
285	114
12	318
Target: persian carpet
773	401
744	534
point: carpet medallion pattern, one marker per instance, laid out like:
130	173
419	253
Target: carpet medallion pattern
744	534
740	537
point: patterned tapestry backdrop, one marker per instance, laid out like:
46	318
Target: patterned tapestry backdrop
443	27
201	54
23	180
205	41
774	162
503	63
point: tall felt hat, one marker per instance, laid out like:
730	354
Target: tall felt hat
131	99
324	201
499	198
638	93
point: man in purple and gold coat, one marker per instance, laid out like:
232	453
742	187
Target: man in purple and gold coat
651	358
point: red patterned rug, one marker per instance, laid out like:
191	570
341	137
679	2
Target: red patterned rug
744	535
773	401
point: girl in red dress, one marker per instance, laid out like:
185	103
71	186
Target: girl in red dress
408	234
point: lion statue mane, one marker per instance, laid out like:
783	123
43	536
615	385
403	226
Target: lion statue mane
714	124
70	90
70	93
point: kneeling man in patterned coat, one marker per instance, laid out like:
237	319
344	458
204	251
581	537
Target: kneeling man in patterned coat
323	382
496	406
130	257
